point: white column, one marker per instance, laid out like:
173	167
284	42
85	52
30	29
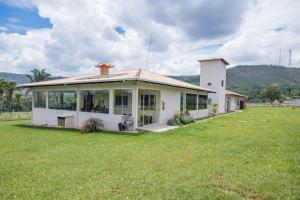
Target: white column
111	101
77	106
135	100
32	105
47	99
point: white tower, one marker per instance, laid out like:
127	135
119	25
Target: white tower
213	77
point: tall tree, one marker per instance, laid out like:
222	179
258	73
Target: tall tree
18	100
10	87
2	88
2	91
272	92
38	75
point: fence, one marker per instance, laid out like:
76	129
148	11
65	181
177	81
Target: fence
267	104
8	116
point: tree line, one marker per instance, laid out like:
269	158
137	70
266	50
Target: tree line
14	99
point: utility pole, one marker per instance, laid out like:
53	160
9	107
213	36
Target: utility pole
290	58
279	60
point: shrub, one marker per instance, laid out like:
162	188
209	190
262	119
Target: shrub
181	118
215	108
186	119
172	122
91	125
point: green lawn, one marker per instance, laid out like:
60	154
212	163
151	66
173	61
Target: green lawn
252	154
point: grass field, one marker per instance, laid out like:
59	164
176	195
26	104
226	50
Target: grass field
246	155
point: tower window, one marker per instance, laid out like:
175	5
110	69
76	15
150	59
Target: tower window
208	84
222	83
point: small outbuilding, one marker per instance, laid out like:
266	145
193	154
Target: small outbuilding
234	101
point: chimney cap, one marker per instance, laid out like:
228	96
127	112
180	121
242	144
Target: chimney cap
104	64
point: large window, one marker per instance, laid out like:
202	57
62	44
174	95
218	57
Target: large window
148	101
122	102
202	102
62	100
182	102
191	101
94	101
39	99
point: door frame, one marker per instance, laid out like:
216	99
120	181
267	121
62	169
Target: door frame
157	106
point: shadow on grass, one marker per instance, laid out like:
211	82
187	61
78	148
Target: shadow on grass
72	130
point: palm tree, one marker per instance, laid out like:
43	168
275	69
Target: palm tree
2	87
10	87
2	91
38	75
18	100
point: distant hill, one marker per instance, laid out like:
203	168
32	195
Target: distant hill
19	78
251	79
253	76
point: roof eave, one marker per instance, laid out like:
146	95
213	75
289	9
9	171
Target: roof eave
109	81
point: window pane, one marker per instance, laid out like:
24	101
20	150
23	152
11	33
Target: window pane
62	100
39	99
181	102
68	101
54	100
202	102
191	101
86	101
122	102
94	101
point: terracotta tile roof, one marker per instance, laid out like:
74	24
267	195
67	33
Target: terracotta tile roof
227	92
126	75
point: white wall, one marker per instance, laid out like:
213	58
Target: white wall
48	117
214	72
199	113
172	104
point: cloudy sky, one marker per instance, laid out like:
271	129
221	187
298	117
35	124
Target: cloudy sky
69	37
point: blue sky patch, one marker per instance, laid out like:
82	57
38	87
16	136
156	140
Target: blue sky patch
120	30
19	20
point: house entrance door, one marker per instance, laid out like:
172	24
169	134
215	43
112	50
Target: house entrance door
148	107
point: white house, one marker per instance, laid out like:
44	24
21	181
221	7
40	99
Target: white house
145	96
213	77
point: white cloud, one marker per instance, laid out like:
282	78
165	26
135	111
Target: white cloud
83	33
269	25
